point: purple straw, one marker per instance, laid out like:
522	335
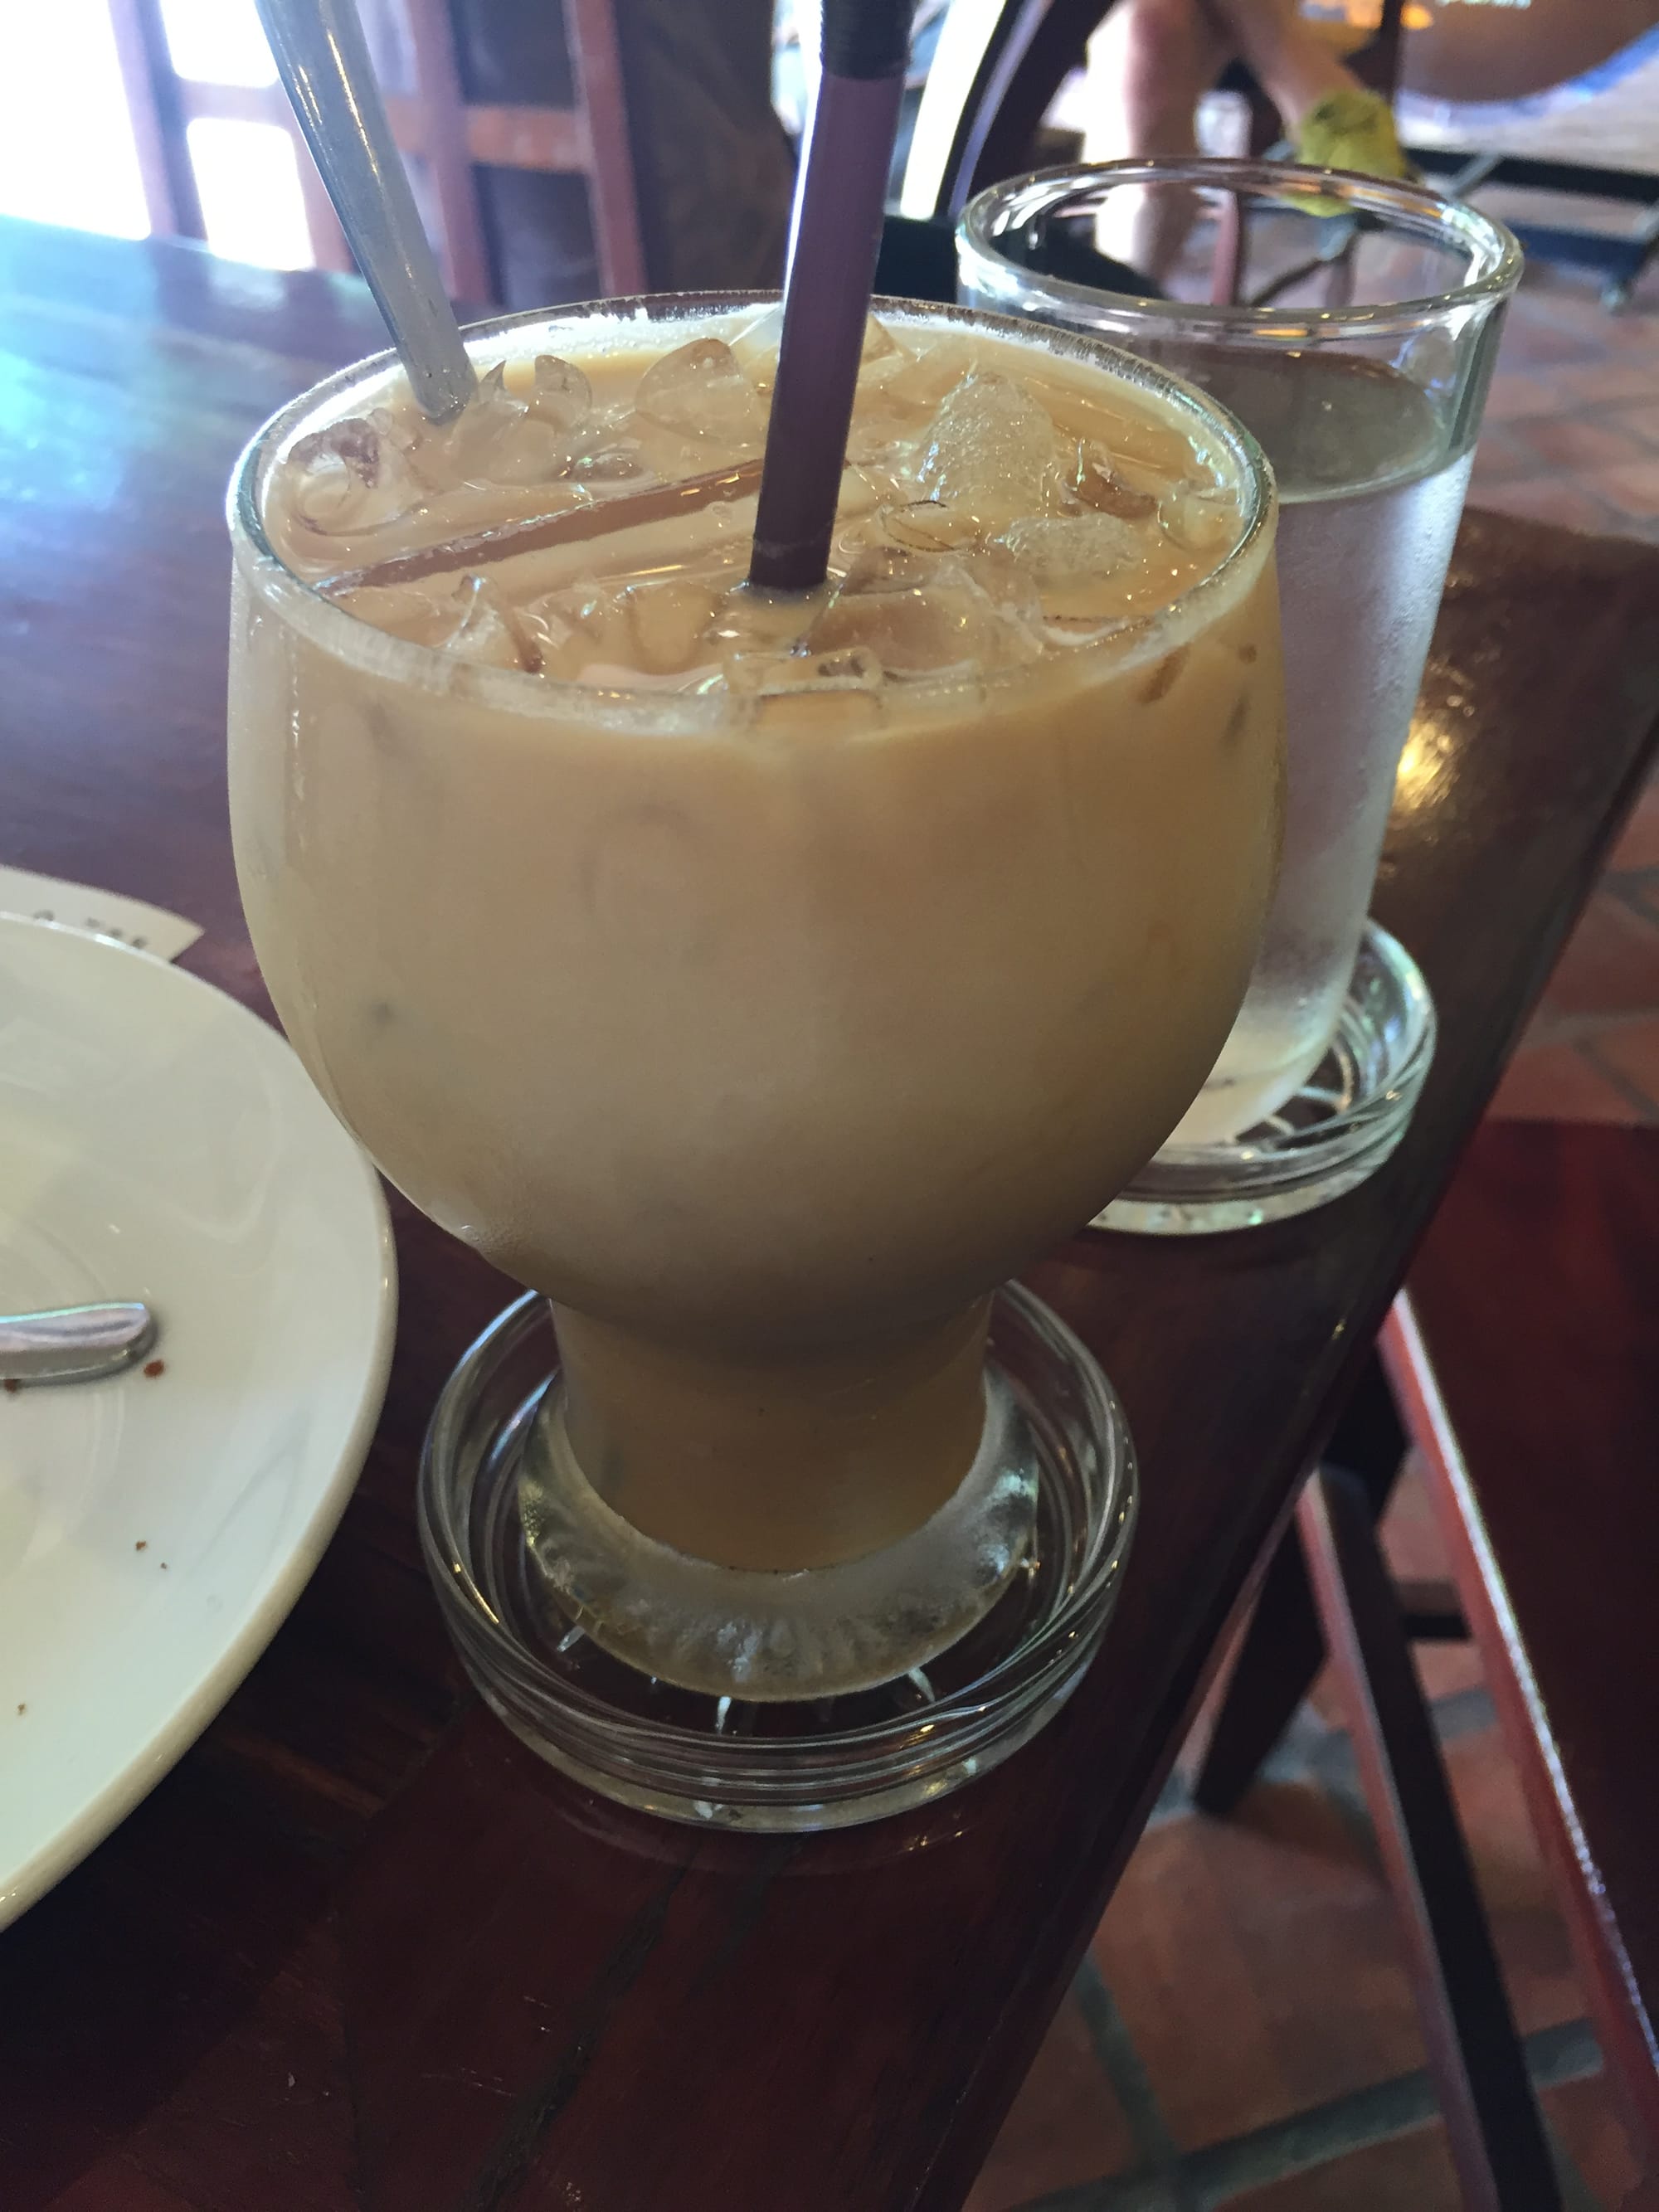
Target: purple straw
833	241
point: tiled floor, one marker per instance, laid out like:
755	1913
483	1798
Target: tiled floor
1242	2032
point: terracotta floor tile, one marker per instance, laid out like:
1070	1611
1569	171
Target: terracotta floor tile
1256	1964
1445	1670
1514	394
1527	1927
1633	488
1644	421
1326	1699
1558	499
1579	442
1066	2126
1500	456
1411	1537
1630	1050
1585	2117
1600	383
1611	963
1556	1083
1633	336
1537	341
1411	2173
1546	1026
116	2180
1412	1542
1556	293
1572	307
1639	842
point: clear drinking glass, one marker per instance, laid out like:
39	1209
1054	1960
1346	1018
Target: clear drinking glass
1359	355
765	1030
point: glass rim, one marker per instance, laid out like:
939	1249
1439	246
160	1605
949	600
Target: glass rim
1495	251
431	668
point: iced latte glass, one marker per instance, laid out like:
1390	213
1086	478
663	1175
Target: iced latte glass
761	981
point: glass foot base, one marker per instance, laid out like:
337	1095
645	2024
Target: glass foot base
987	1680
1340	1127
769	1637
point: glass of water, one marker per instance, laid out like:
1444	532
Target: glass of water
1351	326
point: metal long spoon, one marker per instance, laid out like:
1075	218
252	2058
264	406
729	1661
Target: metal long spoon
74	1344
321	56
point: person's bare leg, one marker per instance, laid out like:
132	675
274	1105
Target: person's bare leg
1149	62
1290	61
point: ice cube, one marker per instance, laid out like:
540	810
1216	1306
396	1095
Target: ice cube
483	628
751	621
837	692
1202	523
882	422
700	392
853	668
348	478
655	628
1099	486
922	379
469	616
880	349
991	448
602	457
1057	546
919	613
559	645
669	620
560	394
929	526
1138	438
598	613
1079	563
497	440
883	430
416	611
1005	581
755	347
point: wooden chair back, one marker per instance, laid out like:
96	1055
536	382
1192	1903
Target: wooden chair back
432	122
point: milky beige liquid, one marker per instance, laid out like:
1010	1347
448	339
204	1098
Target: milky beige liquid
765	1030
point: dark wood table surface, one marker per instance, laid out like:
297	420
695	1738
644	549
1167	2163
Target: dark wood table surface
359	1948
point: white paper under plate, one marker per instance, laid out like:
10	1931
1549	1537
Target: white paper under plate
158	1141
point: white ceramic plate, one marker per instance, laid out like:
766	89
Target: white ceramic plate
158	1141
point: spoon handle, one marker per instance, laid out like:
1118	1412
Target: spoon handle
74	1344
323	59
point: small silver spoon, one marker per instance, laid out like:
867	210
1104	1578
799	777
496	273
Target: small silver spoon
74	1344
323	60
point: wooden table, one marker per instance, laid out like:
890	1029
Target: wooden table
360	1948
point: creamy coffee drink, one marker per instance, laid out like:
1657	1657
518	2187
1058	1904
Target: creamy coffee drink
763	980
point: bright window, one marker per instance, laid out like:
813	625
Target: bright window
249	183
217	42
66	146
